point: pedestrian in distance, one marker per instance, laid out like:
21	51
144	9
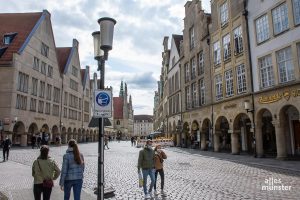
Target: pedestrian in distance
159	168
106	142
72	171
146	164
38	141
132	141
6	144
33	141
44	171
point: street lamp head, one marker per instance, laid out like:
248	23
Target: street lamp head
98	53
107	31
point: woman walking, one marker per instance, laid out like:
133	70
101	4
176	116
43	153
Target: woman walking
158	163
72	171
44	171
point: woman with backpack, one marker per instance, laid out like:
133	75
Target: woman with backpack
72	171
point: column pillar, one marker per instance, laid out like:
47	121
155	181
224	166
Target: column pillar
23	142
203	141
216	141
280	140
259	139
235	143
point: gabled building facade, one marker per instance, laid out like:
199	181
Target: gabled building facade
143	125
31	81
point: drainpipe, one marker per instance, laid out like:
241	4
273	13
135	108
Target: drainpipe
245	13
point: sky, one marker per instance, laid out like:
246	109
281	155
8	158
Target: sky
138	36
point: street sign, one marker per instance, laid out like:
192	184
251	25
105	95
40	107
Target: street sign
102	104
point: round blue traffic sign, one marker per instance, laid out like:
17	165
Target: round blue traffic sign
102	99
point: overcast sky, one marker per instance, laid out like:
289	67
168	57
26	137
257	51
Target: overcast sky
137	46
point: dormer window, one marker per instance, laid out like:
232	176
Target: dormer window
8	38
44	50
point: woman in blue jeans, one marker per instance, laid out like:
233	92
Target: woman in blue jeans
72	171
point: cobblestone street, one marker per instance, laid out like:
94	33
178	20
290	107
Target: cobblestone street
189	174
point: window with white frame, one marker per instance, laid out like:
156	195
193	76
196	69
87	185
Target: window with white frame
21	102
238	40
241	79
65	112
296	7
280	18
66	99
48	108
217	53
226	47
42	89
49	91
187	72
192	37
41	107
229	83
34	86
73	85
73	101
50	71
224	13
22	82
219	87
36	63
56	94
32	104
43	68
55	110
262	28
188	97
200	63
193	66
44	50
285	65
194	95
202	91
266	71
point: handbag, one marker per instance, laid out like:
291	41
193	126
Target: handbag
141	180
47	183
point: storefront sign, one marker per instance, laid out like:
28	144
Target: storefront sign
278	96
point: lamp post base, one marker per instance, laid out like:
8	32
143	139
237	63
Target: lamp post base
108	192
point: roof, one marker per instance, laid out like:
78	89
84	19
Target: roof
177	39
63	54
143	117
21	23
118	107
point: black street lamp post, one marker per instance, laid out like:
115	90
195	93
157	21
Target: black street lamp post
102	44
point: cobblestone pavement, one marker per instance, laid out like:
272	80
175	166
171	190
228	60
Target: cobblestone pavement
189	175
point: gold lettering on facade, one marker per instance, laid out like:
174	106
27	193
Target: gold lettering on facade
278	96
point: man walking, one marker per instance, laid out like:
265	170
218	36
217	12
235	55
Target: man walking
146	163
6	146
106	142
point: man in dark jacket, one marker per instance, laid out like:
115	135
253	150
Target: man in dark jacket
146	163
6	146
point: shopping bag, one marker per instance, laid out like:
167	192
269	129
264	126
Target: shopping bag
141	180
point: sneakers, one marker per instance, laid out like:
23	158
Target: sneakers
163	193
151	194
147	196
155	192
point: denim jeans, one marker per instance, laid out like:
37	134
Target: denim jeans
162	178
147	172
76	184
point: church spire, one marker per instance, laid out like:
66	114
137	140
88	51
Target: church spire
126	89
121	94
130	100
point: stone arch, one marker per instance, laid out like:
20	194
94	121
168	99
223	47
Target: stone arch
205	134
33	130
288	131
195	129
19	136
242	138
64	135
69	133
54	133
185	135
222	140
265	133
